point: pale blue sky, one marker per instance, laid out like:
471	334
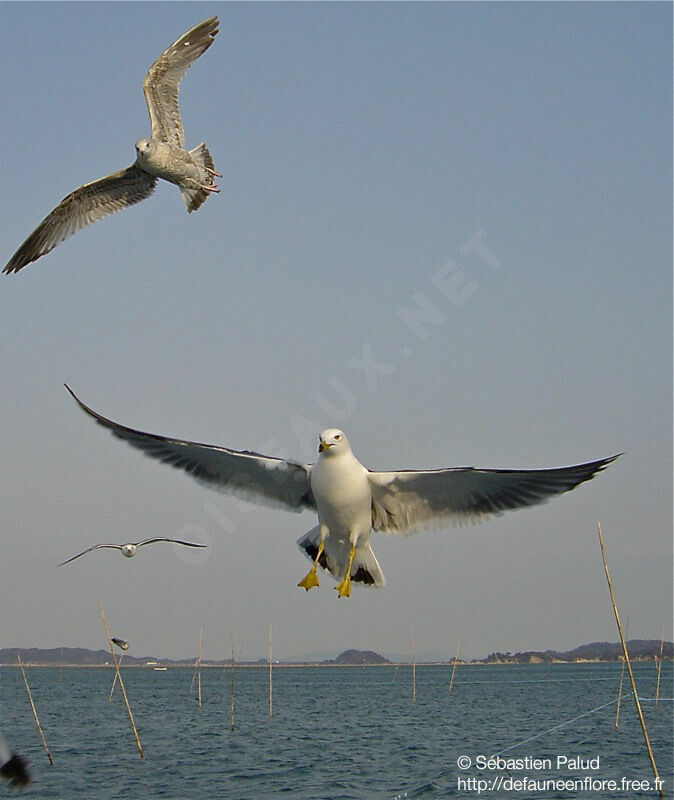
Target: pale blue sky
365	148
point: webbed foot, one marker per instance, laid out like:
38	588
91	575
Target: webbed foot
309	580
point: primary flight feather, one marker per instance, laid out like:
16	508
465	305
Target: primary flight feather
160	156
351	500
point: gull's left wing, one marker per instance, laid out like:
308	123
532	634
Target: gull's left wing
161	83
409	501
258	478
166	539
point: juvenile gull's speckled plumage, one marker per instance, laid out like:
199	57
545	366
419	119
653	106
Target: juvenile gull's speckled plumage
161	156
351	500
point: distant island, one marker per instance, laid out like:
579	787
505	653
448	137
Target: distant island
639	650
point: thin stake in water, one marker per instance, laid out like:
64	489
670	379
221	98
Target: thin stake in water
658	781
114	680
414	668
622	676
659	660
119	678
197	668
456	661
231	693
270	668
35	716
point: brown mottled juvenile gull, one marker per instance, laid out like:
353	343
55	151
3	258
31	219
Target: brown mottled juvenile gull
129	549
350	499
160	156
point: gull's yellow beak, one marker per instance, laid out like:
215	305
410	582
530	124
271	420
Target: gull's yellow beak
323	446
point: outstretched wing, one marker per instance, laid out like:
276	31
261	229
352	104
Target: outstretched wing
261	479
89	549
160	86
409	501
166	539
80	208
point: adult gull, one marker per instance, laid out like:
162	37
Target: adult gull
350	500
129	550
160	156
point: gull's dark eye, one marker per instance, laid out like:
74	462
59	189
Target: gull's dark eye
338	436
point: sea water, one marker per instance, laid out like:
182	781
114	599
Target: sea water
342	733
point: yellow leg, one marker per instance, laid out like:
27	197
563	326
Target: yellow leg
311	578
344	587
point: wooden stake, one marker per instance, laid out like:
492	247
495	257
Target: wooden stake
35	716
196	675
659	660
658	781
622	676
270	668
456	660
114	680
119	678
414	668
231	693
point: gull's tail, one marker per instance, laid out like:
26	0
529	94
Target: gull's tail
365	568
194	196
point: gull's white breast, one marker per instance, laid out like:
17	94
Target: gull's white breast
342	491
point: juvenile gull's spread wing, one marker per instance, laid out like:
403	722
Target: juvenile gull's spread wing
409	501
80	208
262	479
160	86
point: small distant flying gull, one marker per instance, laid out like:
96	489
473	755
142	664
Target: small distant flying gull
129	550
350	499
119	642
160	156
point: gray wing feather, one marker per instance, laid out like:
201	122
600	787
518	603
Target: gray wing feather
262	479
80	208
89	549
161	83
409	501
166	539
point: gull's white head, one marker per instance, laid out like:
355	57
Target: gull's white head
143	147
129	550
333	441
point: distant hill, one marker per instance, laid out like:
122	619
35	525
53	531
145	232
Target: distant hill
63	655
358	657
639	649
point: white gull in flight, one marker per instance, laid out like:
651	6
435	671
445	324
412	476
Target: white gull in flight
129	549
351	500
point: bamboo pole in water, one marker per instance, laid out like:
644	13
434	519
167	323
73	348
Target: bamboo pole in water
231	693
622	677
196	675
270	668
119	678
456	661
114	680
201	647
657	682
414	668
35	716
658	781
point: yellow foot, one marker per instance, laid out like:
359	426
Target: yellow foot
309	580
344	587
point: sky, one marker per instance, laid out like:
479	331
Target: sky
444	228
